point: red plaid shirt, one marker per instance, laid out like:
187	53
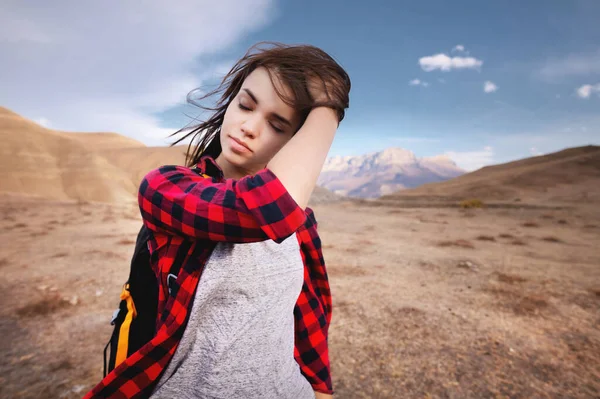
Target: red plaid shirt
179	203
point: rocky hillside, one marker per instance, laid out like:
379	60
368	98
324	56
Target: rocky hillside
376	174
570	175
104	167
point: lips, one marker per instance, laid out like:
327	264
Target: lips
241	143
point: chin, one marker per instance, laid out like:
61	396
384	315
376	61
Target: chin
233	158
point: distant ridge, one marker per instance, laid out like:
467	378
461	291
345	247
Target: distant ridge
104	167
570	175
384	172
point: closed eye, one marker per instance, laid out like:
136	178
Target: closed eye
278	130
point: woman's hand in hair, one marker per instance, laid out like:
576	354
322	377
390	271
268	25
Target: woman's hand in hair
330	92
319	90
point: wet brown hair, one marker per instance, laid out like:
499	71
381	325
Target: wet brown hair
292	64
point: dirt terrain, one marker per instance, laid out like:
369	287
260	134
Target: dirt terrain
427	302
430	300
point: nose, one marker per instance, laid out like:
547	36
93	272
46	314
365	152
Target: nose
251	126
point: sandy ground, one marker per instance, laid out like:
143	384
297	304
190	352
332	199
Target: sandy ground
427	302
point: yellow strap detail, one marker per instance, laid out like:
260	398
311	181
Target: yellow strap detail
124	331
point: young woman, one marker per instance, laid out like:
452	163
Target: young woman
248	314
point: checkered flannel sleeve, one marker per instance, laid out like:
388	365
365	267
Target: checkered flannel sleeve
312	312
176	200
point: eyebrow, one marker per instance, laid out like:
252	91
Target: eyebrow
276	116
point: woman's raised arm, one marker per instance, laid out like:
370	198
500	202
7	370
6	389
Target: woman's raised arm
268	204
299	162
177	200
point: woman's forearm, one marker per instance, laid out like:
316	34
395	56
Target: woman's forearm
299	162
320	395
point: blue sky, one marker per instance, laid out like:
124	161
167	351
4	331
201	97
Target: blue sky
482	81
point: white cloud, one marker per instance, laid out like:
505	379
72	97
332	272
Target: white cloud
585	91
445	63
557	133
416	139
571	65
115	71
489	87
43	122
535	152
459	48
472	160
418	82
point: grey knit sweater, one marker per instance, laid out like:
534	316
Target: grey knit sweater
239	341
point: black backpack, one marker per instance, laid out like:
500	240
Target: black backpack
135	320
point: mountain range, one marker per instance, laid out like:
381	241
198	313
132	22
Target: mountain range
108	167
571	176
379	173
103	166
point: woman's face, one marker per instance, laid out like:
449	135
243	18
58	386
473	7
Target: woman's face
258	118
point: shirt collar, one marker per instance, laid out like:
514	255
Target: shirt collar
209	166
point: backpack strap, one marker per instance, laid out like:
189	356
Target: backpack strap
181	253
123	342
141	243
142	240
177	263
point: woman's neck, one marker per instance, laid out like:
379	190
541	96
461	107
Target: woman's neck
231	171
